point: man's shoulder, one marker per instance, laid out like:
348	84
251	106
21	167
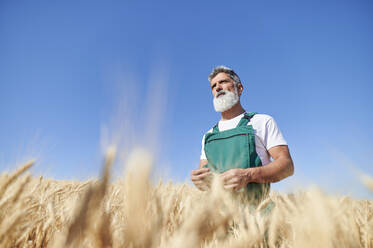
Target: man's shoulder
203	137
261	118
209	131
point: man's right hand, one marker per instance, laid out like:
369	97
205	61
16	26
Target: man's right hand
201	178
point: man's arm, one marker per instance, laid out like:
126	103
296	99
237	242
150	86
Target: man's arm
280	168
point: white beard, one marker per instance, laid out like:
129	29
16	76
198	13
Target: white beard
226	101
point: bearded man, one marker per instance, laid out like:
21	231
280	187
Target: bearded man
241	145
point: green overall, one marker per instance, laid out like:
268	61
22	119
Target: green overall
235	148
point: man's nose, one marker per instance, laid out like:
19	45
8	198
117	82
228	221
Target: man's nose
218	88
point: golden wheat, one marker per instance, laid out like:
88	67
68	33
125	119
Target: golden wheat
132	212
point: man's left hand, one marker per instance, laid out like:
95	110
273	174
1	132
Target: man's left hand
235	179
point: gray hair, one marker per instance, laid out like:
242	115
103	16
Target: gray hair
229	71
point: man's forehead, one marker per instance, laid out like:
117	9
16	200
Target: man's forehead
221	76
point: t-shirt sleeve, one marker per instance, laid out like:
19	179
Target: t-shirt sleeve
273	136
203	155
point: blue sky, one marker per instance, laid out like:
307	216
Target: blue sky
70	70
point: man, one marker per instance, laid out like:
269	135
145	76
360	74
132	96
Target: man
239	147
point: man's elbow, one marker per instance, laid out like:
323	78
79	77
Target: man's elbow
290	168
287	170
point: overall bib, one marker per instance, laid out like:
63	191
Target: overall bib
235	148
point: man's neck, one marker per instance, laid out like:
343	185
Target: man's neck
236	110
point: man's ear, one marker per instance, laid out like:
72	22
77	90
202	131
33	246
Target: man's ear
239	89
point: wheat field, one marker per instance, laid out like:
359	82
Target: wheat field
134	212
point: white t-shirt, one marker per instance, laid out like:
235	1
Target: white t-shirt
267	134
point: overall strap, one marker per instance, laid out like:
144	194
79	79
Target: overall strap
216	128
246	119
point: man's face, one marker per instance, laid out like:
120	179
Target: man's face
221	82
226	93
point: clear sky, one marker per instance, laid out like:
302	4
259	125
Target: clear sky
69	70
